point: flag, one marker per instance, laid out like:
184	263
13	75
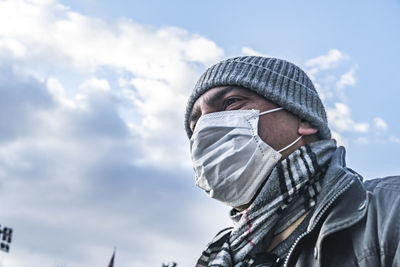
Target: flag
5	238
111	264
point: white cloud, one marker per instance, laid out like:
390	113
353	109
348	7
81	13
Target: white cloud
94	123
347	79
394	139
362	140
330	83
95	84
57	90
16	48
361	127
328	61
380	123
330	79
321	72
251	52
340	119
156	65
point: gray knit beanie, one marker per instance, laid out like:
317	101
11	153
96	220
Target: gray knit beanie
279	81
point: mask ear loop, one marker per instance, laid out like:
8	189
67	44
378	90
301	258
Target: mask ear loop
269	111
291	144
294	142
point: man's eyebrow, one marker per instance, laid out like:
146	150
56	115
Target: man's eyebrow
211	101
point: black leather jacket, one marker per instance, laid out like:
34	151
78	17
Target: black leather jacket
356	224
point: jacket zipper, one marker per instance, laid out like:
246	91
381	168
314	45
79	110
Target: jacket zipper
327	206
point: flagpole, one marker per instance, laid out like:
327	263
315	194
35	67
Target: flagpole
111	264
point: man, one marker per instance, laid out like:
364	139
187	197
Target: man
260	143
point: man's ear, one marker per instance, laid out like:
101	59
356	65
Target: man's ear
305	128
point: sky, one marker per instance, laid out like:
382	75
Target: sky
93	152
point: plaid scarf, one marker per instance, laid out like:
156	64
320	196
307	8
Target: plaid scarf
289	192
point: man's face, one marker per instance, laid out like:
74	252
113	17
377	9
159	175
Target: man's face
277	129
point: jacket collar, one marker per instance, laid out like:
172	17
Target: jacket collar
343	202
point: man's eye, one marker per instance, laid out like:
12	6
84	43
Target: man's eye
230	101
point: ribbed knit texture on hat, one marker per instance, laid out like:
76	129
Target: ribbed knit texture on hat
279	81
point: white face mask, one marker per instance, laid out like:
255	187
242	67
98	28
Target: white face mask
229	158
